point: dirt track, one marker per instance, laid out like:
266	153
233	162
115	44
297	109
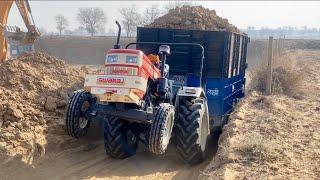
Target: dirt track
88	160
38	147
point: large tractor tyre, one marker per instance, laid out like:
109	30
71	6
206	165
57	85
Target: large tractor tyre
77	124
161	129
192	130
120	141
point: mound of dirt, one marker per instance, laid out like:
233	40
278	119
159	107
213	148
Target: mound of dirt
273	137
34	93
193	17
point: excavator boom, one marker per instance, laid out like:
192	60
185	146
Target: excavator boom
14	34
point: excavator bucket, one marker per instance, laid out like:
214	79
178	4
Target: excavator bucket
14	35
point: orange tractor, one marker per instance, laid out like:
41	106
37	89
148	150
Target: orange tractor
132	96
128	94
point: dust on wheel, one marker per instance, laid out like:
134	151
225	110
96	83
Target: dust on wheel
192	129
120	140
161	129
77	124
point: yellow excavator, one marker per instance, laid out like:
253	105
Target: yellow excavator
14	34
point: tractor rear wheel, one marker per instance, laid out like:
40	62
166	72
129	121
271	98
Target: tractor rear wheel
192	129
161	129
120	141
77	124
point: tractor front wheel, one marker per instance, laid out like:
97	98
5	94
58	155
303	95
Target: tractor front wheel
161	129
77	124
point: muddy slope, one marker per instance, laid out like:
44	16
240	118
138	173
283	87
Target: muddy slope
34	93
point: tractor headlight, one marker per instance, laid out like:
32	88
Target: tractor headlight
112	58
132	59
164	49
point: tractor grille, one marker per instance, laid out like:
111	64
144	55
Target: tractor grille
121	70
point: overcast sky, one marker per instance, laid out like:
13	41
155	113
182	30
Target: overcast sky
240	13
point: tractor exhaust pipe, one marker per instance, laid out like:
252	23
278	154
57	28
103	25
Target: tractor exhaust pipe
117	46
164	51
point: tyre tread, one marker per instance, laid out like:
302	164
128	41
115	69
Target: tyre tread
73	114
190	113
115	143
158	129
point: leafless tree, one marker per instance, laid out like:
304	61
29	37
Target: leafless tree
111	32
92	19
178	3
43	31
130	19
62	23
102	31
150	14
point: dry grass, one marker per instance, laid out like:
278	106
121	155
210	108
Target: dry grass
287	78
255	146
274	137
263	102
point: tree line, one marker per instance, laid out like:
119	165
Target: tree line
285	31
93	20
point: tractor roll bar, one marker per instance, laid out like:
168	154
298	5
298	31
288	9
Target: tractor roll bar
175	44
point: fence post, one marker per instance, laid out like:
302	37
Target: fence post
269	70
280	47
283	42
276	48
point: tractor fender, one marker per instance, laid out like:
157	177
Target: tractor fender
191	92
186	91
